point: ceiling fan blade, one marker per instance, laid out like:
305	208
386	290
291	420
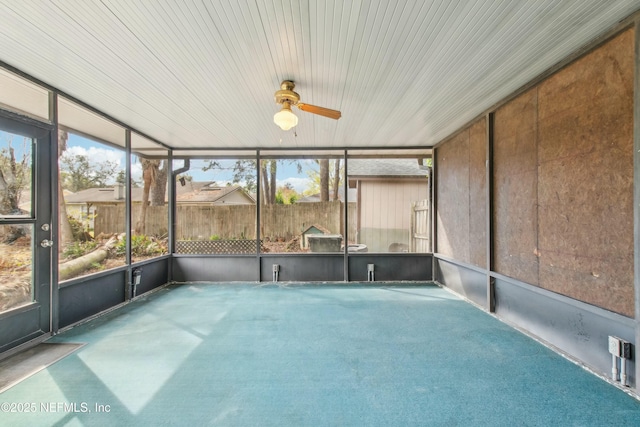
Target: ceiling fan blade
326	112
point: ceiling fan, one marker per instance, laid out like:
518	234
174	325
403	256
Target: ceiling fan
287	97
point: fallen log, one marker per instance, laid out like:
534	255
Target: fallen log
75	267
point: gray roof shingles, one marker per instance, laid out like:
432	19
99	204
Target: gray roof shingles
385	168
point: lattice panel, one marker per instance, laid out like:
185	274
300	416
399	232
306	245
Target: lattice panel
217	246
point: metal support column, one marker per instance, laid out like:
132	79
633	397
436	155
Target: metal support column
433	212
171	197
127	212
258	212
491	293
345	185
54	308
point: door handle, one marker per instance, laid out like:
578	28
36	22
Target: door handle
46	243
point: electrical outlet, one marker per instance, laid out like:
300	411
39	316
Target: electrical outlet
615	346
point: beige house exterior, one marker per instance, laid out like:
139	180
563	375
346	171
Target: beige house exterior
386	189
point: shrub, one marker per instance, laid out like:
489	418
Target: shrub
77	249
279	198
141	245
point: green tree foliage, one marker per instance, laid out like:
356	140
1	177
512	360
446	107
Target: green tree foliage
286	194
141	246
78	173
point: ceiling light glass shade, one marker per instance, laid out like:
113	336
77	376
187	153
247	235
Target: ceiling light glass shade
285	119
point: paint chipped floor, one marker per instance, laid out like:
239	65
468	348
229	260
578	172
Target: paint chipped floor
310	355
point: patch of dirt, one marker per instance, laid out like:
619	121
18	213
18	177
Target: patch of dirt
279	246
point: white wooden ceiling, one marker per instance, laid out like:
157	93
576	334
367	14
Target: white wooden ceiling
202	73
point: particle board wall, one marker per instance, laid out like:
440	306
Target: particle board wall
562	183
585	187
452	186
478	193
515	173
461	186
563	180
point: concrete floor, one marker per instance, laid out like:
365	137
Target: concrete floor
310	355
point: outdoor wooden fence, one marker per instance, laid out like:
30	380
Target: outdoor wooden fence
420	227
231	221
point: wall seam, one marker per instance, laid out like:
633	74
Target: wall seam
537	142
636	193
469	194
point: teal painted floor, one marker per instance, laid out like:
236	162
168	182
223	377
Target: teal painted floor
330	355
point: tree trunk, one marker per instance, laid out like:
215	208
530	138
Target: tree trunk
336	179
272	184
265	183
149	175
324	180
77	266
65	232
159	185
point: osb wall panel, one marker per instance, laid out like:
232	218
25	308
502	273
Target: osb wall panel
478	193
452	186
515	189
585	191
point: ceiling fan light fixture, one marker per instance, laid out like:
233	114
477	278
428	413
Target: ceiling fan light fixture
285	118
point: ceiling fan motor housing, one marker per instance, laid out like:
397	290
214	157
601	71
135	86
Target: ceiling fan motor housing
286	93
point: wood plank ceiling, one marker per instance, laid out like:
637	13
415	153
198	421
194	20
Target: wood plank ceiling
202	73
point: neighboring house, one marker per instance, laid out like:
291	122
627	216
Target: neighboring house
209	193
82	205
351	194
386	189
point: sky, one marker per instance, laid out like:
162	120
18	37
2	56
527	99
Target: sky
20	144
287	173
97	152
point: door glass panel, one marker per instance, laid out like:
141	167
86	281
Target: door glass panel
16	254
15	204
15	176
